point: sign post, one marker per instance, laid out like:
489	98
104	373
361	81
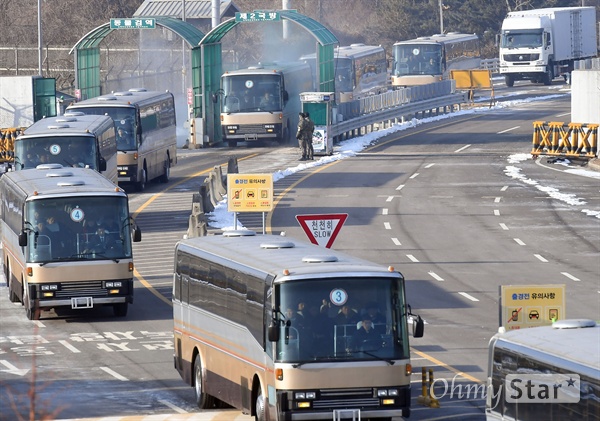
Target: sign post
523	306
322	229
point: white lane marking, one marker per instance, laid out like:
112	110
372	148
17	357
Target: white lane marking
387	225
412	258
462	149
503	226
540	258
436	276
400	187
384	211
414	175
519	242
69	346
562	115
38	323
173	407
114	374
12	369
429	165
470	297
504	188
497	200
568	275
389	198
496	212
396	241
508	130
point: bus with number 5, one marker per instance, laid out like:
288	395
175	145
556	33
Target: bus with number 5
258	325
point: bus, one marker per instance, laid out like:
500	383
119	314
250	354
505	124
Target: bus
146	132
430	59
262	102
545	373
72	140
360	70
273	326
67	239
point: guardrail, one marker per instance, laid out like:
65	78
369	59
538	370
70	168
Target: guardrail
571	140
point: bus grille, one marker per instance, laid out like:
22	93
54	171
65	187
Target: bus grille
343	398
81	289
252	128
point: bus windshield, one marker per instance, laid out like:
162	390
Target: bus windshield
341	319
344	81
77	228
69	151
247	93
124	118
417	59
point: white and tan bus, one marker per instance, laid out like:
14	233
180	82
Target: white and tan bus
72	140
67	239
146	132
273	326
262	102
545	373
426	60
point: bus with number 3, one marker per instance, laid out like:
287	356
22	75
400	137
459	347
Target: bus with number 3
259	324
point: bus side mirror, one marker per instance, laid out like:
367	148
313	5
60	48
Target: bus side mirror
137	235
286	96
102	165
273	332
22	239
418	327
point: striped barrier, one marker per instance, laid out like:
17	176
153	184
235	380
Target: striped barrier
7	142
572	139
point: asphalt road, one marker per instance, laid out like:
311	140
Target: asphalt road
436	202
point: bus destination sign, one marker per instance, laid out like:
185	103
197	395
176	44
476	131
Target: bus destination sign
130	23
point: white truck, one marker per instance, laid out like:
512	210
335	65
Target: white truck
542	44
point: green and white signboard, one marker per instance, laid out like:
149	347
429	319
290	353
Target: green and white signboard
257	16
133	23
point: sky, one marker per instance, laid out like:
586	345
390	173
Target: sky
220	218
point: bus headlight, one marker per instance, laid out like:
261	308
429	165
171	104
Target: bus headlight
270	128
305	395
113	284
49	287
232	128
387	396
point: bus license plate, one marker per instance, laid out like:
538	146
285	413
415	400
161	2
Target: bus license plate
82	302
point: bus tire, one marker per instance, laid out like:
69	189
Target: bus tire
141	185
260	408
549	75
33	313
232	143
509	80
203	400
167	174
120	309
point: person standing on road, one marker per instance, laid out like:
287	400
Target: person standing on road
302	136
310	129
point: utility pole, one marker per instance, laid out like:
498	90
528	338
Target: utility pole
441	5
40	45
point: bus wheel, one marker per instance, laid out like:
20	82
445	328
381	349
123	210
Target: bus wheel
167	173
203	400
141	185
260	408
120	309
232	143
33	313
509	80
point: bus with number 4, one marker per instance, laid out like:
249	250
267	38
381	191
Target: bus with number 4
67	240
146	132
275	327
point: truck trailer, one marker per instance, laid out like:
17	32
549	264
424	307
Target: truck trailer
541	44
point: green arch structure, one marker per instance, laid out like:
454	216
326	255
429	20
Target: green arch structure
206	73
206	60
87	51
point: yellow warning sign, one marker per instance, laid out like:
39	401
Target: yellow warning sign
249	192
523	306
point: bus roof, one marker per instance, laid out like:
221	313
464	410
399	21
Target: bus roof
268	68
54	179
351	51
572	340
272	254
448	38
72	124
130	98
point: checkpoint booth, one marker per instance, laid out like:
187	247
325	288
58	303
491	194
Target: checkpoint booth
321	107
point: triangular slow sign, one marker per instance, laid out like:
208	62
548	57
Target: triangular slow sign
322	229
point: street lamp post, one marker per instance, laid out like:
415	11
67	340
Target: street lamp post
441	5
39	12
